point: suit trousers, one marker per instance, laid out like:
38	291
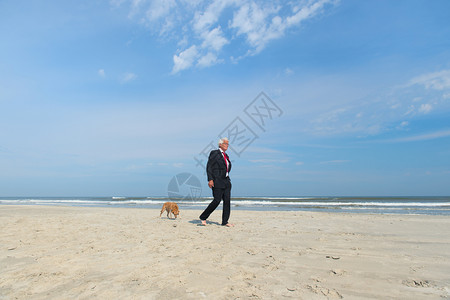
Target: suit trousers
219	194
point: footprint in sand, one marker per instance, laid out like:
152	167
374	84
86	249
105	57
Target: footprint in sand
324	291
338	272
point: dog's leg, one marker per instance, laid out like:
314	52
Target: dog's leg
162	209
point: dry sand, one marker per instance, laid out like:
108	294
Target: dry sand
114	253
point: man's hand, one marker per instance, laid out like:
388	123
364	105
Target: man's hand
211	183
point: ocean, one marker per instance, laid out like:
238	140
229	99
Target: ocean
375	205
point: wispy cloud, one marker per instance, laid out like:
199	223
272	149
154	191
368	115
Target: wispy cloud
127	77
101	73
436	80
260	24
209	59
185	59
425	108
204	28
421	137
391	109
288	72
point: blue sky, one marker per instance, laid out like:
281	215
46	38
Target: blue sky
114	98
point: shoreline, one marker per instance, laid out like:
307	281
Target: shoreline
50	252
426	205
445	213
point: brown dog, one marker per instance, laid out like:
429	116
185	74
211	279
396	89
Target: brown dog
170	207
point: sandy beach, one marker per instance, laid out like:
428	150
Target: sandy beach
49	252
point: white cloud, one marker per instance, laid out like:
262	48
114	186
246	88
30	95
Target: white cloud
159	16
185	59
135	6
404	125
214	39
127	77
209	26
204	19
101	73
437	80
425	108
307	11
261	24
208	60
288	72
391	109
410	110
159	9
252	21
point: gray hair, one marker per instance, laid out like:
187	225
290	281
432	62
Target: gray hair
223	140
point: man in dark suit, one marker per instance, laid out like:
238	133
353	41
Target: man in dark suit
217	170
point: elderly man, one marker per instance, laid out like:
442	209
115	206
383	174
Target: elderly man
217	169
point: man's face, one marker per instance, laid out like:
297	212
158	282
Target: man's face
224	146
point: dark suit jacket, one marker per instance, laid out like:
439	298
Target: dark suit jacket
216	169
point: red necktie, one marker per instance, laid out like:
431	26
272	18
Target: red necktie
225	156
